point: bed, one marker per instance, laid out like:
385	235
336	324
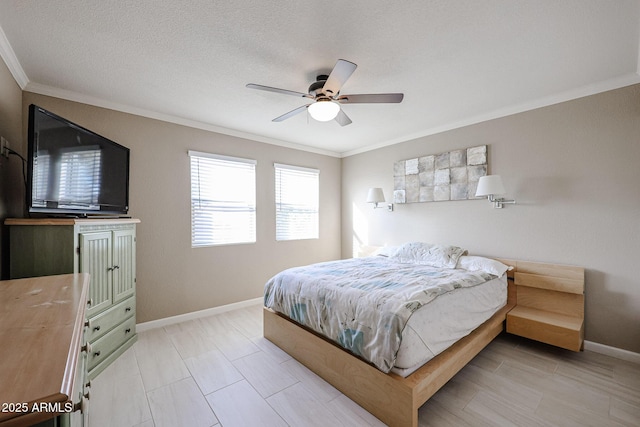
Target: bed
395	399
393	394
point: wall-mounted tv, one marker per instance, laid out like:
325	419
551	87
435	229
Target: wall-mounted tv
73	171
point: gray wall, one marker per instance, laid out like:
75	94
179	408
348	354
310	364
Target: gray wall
573	168
173	277
11	182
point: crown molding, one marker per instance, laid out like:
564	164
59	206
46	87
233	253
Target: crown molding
588	90
9	57
98	102
569	95
21	78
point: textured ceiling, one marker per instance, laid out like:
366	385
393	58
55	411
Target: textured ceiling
188	61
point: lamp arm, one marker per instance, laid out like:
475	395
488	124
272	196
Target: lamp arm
389	206
498	202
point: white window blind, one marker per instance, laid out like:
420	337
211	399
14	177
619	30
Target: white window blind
80	173
223	200
297	202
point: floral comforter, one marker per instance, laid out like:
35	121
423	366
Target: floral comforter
363	304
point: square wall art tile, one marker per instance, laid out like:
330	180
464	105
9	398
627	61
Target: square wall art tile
452	175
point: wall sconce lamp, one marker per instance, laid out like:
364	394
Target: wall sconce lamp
376	196
490	186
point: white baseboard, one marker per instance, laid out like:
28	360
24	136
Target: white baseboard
618	353
153	324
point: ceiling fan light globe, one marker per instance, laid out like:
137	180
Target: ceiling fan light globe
323	111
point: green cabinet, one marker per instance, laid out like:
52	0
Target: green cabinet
104	248
109	256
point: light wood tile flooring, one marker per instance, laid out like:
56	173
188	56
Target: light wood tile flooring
220	371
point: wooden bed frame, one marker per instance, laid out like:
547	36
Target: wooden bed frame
391	398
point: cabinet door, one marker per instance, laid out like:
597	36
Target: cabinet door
96	259
124	264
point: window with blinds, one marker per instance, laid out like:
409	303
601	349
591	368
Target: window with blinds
223	200
297	202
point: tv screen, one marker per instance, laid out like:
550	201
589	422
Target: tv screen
73	171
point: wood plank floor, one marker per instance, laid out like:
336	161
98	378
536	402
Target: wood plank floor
220	371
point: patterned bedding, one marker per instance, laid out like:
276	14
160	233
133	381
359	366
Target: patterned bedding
363	304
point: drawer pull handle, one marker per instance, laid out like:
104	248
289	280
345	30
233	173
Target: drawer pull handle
127	309
86	348
96	354
127	330
90	302
97	328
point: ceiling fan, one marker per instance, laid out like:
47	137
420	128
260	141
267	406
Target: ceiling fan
325	93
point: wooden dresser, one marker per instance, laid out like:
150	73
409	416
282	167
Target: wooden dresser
43	375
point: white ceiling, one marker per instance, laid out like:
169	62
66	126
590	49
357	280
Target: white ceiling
188	61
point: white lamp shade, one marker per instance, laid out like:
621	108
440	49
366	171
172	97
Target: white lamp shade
324	110
375	195
490	184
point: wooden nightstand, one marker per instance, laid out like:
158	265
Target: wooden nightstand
550	304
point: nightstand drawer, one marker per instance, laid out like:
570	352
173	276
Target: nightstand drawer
105	321
103	347
551	328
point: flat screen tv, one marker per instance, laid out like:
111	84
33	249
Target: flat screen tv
72	171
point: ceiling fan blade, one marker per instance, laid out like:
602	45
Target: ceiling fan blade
277	90
342	118
371	98
291	113
339	75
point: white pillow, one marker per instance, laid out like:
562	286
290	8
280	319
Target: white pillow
366	250
442	256
478	263
387	251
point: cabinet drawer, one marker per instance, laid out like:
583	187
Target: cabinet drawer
102	323
104	346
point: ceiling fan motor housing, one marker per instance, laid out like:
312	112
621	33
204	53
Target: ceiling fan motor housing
316	88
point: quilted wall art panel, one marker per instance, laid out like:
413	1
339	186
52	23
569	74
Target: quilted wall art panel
452	175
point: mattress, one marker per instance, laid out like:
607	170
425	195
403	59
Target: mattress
366	306
442	322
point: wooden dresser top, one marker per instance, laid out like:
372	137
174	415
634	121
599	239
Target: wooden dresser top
41	327
69	221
